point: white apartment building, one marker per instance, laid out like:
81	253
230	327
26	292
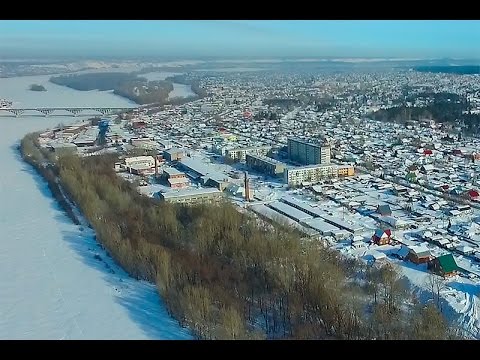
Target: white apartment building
311	174
240	154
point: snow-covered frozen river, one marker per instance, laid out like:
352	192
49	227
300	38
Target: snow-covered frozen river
55	282
179	90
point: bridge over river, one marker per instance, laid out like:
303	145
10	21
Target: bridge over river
62	111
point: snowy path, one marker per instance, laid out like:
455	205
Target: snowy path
56	282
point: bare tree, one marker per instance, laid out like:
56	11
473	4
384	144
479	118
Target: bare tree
436	285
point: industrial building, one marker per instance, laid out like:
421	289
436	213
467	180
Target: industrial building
307	153
289	211
311	174
273	215
265	165
306	208
191	196
173	154
324	228
207	175
337	227
240	154
175	179
137	160
140	165
144	143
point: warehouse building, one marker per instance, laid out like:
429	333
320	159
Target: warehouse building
174	178
272	215
192	196
323	227
173	154
265	165
351	228
140	165
300	205
289	211
205	173
308	153
145	160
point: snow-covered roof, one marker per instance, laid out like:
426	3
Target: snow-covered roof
289	211
403	251
420	250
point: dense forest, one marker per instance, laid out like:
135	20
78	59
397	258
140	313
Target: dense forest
228	275
282	102
447	108
137	89
95	81
450	69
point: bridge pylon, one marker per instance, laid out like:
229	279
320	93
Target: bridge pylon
75	112
17	112
45	112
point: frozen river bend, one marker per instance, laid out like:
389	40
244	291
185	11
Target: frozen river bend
55	281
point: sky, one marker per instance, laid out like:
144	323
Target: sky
236	38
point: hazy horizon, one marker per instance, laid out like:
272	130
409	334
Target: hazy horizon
411	39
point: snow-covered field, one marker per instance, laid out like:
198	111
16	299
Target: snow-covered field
55	281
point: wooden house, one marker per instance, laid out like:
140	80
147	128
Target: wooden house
419	254
444	265
382	237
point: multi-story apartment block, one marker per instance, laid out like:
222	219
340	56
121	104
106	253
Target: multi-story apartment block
265	164
310	173
308	153
345	170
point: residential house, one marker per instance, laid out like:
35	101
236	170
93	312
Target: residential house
384	210
419	254
444	265
473	194
381	237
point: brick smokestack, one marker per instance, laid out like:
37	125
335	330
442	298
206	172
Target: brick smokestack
247	187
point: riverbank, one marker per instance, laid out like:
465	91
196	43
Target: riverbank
32	155
44	164
226	275
49	266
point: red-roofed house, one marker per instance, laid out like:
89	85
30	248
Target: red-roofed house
427	152
473	194
381	237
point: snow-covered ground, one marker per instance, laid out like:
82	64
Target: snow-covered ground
460	301
55	281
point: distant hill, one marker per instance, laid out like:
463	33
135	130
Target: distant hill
450	69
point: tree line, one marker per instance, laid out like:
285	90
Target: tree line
229	275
